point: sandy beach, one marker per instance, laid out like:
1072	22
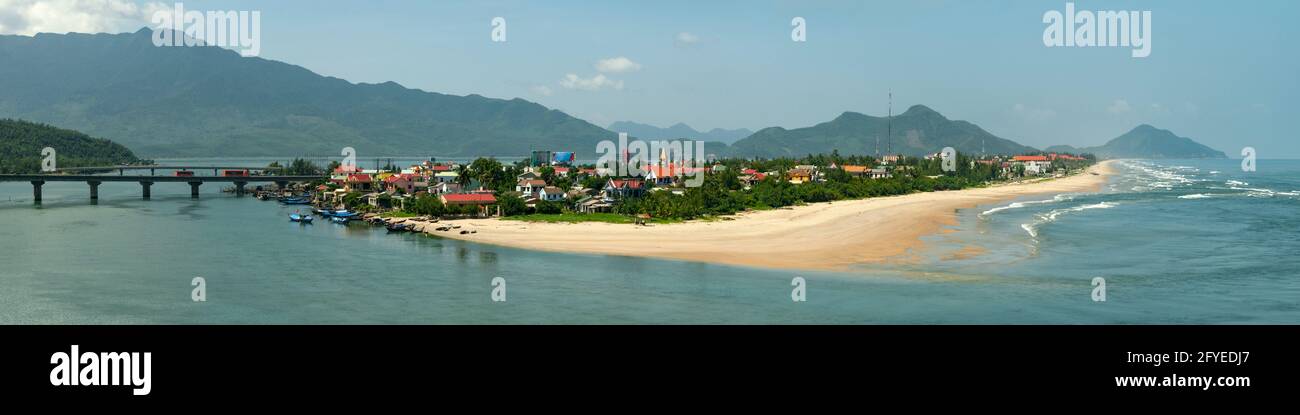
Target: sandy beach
822	236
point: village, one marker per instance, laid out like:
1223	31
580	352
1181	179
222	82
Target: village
551	185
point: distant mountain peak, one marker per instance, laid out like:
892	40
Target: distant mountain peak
857	133
850	115
920	110
1148	141
679	130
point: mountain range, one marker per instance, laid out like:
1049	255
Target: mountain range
916	132
209	101
1145	141
212	102
678	131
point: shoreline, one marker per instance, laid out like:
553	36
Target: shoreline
829	236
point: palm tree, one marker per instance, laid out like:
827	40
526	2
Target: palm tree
462	175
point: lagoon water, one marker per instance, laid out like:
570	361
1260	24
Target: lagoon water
1177	241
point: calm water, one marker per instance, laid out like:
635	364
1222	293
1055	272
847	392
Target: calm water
1176	241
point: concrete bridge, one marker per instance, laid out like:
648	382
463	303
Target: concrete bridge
38	180
121	170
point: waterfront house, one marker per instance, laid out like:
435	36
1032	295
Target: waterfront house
591	204
661	175
530	186
404	183
481	200
798	176
624	188
855	170
750	179
445	187
359	182
551	194
445	177
1034	165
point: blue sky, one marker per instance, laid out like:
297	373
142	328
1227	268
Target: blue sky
1223	73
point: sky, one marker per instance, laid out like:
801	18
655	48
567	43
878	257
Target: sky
1222	73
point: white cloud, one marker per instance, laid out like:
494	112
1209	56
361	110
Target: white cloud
29	17
542	90
595	83
685	39
1119	107
617	65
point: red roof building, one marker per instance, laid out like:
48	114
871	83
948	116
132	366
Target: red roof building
1029	158
468	199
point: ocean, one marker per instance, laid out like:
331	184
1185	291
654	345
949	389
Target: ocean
1176	241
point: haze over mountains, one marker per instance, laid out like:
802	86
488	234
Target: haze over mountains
916	132
212	102
207	101
1146	141
679	131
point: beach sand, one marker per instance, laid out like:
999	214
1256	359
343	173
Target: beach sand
822	236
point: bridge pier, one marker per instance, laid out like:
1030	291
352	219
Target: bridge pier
94	189
194	189
144	186
239	188
36	190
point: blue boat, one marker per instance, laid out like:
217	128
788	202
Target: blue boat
343	214
300	218
294	201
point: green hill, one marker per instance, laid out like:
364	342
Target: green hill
208	101
1146	141
21	143
916	132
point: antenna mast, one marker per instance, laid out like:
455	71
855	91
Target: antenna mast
889	129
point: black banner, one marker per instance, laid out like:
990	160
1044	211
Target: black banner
247	362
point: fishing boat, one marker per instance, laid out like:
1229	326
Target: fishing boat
400	227
300	218
339	220
294	201
343	214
